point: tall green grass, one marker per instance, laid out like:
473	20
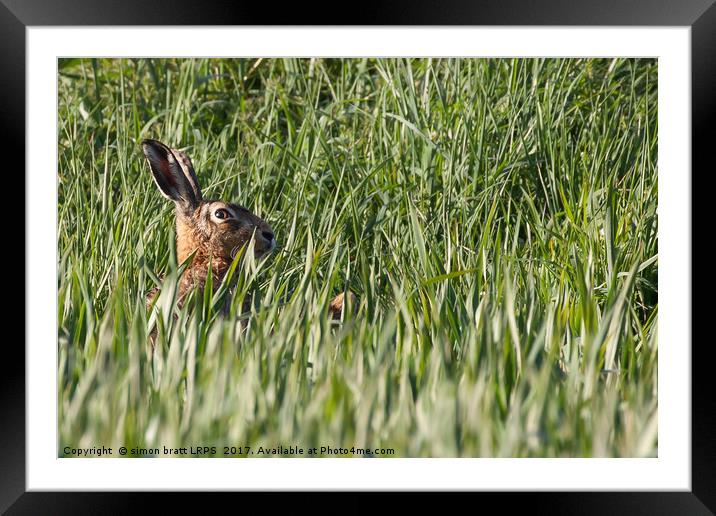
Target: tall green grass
496	219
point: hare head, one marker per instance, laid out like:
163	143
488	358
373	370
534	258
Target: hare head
215	230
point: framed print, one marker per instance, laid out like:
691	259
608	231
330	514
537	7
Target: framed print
296	247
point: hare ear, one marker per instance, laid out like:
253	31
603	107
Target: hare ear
188	170
170	177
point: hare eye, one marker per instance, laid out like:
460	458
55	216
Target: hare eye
221	214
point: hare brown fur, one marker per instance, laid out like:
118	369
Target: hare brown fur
214	230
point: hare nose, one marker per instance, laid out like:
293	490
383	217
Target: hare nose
267	235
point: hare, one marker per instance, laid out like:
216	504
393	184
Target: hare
213	229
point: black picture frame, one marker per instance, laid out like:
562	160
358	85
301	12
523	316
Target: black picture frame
699	15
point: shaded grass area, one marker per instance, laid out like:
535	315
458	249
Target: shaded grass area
496	219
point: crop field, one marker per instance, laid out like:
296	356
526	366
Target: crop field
494	219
